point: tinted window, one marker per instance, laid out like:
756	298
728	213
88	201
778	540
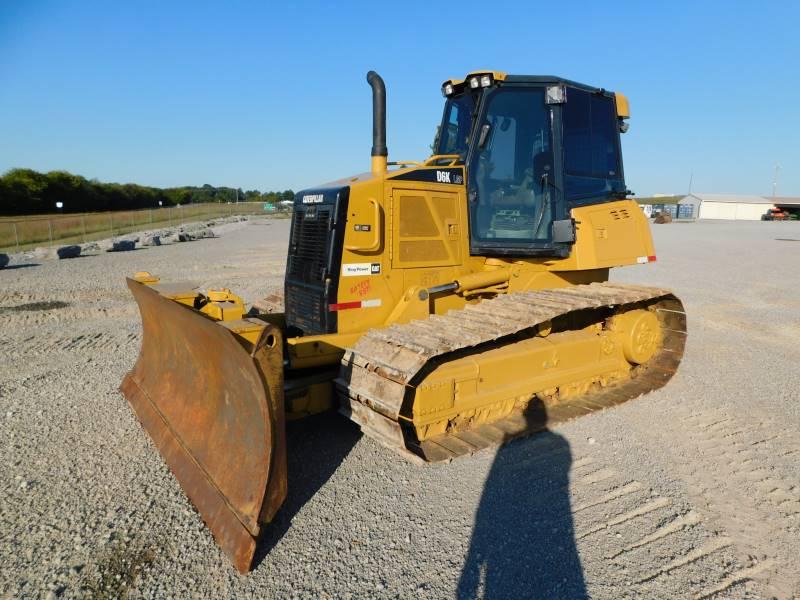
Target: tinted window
510	176
456	125
591	155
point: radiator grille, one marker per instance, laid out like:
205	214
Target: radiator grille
307	256
314	260
304	309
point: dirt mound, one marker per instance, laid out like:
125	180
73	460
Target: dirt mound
662	217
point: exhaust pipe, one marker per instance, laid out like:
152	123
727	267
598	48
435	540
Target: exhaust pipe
379	150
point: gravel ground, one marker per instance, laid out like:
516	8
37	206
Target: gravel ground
691	491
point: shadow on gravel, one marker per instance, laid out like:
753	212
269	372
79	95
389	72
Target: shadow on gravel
22	266
523	542
315	447
34	306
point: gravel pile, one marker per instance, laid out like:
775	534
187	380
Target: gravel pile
692	490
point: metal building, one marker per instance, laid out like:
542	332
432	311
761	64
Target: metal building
787	203
728	206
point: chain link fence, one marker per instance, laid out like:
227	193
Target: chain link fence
22	233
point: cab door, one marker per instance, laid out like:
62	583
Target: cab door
511	170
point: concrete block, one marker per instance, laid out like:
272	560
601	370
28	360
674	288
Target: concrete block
69	252
122	246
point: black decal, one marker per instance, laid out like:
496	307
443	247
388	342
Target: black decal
448	175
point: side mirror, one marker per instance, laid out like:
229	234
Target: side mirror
485	129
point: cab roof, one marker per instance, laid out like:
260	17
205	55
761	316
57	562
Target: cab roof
623	109
533	79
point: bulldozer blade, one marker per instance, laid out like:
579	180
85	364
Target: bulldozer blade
212	403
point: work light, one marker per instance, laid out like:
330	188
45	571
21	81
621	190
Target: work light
556	94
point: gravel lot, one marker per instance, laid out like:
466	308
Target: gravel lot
692	491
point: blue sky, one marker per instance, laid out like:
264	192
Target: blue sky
272	95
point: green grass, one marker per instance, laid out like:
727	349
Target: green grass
22	233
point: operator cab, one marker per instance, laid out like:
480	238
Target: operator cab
533	147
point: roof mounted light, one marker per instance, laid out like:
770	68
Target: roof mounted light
556	94
447	90
474	82
486	80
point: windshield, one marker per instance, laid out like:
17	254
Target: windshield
456	124
511	172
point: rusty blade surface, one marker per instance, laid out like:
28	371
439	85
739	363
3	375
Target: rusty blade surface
203	399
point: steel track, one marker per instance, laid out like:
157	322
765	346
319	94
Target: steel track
379	375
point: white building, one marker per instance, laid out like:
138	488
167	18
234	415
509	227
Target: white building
728	206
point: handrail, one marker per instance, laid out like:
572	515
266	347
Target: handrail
436	157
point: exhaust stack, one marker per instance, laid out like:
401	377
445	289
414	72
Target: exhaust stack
379	150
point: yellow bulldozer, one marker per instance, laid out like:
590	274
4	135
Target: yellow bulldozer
434	303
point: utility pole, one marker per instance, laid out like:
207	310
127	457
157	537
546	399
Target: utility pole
691	177
775	180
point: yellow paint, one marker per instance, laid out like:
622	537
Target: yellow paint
480	388
304	400
442	160
623	109
187	297
145	278
378	165
423	241
365	215
498	75
318	350
612	234
484	279
248	329
418	232
222	305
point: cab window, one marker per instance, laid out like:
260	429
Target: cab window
511	170
591	146
456	124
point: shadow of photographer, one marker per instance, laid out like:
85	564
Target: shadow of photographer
523	542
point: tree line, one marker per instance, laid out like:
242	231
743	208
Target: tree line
27	192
